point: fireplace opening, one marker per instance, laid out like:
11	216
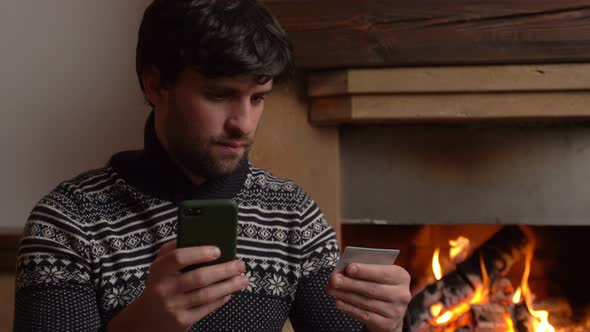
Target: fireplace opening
489	277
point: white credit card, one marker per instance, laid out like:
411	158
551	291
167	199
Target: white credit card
366	256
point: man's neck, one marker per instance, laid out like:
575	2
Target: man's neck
195	179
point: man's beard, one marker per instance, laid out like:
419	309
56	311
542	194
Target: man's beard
196	153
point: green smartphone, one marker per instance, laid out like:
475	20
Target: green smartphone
208	223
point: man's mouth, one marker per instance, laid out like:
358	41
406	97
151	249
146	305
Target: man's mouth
233	146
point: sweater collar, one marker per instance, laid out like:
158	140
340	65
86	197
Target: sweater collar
152	170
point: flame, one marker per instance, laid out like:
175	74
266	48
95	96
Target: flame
516	297
509	324
444	318
436	268
541	324
435	309
485	279
458	247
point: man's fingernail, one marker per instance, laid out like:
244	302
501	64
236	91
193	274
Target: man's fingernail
245	281
353	269
215	252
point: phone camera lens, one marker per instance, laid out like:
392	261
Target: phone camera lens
192	211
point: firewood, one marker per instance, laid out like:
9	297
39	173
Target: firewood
488	317
521	318
498	254
560	311
463	329
501	292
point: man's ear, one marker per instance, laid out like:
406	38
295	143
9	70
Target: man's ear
154	91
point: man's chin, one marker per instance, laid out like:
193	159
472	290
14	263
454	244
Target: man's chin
213	165
226	170
225	166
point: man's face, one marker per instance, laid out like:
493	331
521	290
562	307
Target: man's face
208	125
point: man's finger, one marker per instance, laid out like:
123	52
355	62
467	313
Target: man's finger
368	289
214	292
208	275
368	317
373	290
382	274
368	304
180	258
167	247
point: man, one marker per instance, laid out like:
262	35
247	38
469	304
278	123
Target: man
99	252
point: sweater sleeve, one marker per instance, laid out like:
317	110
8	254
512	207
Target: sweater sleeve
54	291
313	309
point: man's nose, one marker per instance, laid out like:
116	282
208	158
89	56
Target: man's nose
241	121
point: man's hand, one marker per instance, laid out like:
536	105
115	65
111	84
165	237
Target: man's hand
377	295
173	301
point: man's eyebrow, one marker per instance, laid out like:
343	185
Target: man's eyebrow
233	91
221	89
263	92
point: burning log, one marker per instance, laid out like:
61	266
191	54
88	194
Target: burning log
559	310
496	255
521	317
502	292
489	318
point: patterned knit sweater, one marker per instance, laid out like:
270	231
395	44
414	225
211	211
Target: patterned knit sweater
87	247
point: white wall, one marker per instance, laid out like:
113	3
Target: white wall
68	93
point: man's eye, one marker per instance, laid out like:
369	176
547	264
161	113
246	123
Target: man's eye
216	97
258	99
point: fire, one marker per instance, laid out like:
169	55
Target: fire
442	315
436	268
516	297
479	296
509	324
542	323
444	318
459	248
435	309
457	253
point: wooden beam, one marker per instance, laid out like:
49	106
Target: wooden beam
394	108
451	79
374	33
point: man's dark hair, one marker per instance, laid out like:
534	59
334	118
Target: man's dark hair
214	37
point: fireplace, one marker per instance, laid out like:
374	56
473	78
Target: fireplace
521	186
489	153
557	280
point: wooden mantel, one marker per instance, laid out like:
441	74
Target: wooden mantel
462	93
376	33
